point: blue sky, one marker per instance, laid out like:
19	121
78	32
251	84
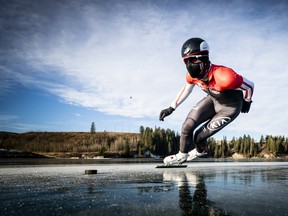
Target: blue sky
67	63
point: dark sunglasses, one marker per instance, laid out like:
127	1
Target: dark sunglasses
191	59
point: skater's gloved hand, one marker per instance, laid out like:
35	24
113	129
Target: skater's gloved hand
246	106
165	112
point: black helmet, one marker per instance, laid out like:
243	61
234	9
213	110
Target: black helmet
196	48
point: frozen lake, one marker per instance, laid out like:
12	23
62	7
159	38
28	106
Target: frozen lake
203	188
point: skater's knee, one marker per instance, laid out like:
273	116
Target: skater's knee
200	141
200	136
188	126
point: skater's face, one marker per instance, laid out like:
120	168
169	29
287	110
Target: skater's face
192	59
194	65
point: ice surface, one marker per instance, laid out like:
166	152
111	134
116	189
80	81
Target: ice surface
203	188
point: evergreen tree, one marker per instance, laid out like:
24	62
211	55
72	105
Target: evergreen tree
93	128
286	146
271	145
241	145
141	130
126	149
159	141
216	151
233	145
262	140
211	143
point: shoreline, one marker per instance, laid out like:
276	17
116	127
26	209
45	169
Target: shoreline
26	162
13	154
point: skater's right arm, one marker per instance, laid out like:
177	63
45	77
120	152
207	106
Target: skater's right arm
182	95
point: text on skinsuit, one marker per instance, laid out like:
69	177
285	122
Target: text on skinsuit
218	123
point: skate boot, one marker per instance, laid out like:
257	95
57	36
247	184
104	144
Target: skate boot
194	154
177	159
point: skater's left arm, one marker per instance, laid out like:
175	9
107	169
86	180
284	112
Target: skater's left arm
226	78
247	87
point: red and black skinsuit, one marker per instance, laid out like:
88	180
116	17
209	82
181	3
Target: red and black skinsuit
226	92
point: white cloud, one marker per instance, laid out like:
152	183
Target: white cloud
104	73
98	59
77	115
4	118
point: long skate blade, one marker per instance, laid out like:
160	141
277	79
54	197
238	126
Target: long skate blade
171	166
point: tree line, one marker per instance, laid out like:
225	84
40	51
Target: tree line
158	141
165	142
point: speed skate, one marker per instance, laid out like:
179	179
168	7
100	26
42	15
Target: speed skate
171	166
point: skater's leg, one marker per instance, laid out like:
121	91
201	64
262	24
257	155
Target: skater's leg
203	111
224	116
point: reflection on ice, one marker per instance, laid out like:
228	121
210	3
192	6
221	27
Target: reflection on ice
193	193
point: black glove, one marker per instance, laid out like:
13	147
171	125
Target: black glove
246	106
165	112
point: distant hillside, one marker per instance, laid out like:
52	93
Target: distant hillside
159	142
74	143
